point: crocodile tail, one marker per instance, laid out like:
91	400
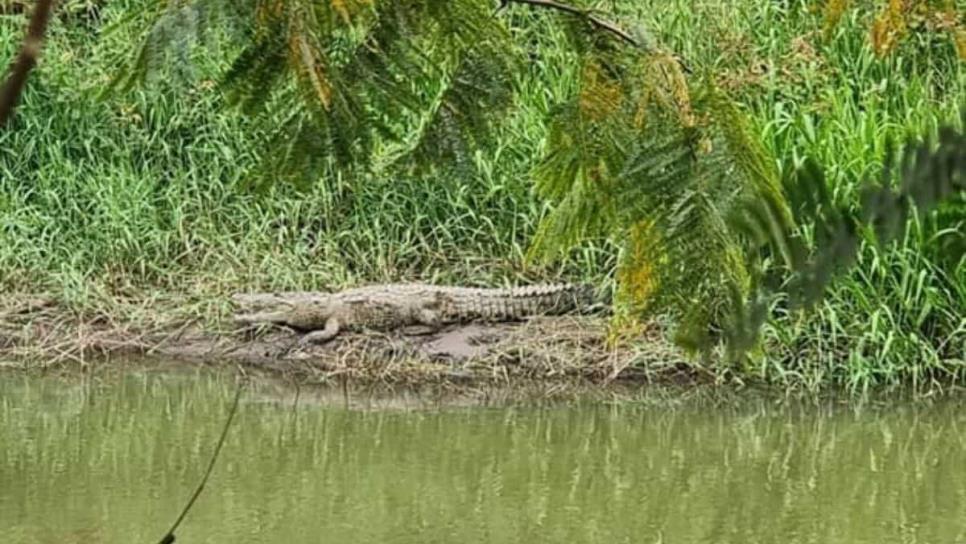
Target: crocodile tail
556	299
589	298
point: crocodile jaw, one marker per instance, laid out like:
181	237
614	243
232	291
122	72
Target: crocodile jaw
301	317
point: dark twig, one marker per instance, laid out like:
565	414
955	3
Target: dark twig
26	60
169	536
586	14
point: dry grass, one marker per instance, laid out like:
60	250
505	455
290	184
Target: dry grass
549	350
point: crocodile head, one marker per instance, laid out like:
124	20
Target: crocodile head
299	314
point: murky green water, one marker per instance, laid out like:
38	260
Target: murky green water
115	461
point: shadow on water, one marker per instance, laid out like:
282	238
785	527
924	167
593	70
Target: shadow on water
113	458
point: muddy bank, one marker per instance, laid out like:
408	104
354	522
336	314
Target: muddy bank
38	332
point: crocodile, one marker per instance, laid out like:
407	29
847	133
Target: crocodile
412	307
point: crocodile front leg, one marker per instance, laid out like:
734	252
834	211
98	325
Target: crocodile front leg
332	327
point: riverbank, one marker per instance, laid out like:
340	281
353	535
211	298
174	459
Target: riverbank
40	332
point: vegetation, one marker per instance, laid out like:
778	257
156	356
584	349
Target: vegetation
635	152
144	194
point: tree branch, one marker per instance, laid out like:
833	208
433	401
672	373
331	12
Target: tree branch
586	14
26	60
169	536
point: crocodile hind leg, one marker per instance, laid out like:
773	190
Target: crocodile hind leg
322	336
427	322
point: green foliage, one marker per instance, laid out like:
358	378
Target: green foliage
928	174
642	158
632	155
894	22
340	76
138	198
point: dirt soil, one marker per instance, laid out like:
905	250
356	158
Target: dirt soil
38	332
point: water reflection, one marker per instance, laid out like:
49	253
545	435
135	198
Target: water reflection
115	462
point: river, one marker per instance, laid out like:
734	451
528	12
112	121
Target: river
114	460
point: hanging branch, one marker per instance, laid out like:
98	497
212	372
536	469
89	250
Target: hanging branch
26	60
168	538
602	24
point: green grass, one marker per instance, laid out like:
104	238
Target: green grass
141	195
